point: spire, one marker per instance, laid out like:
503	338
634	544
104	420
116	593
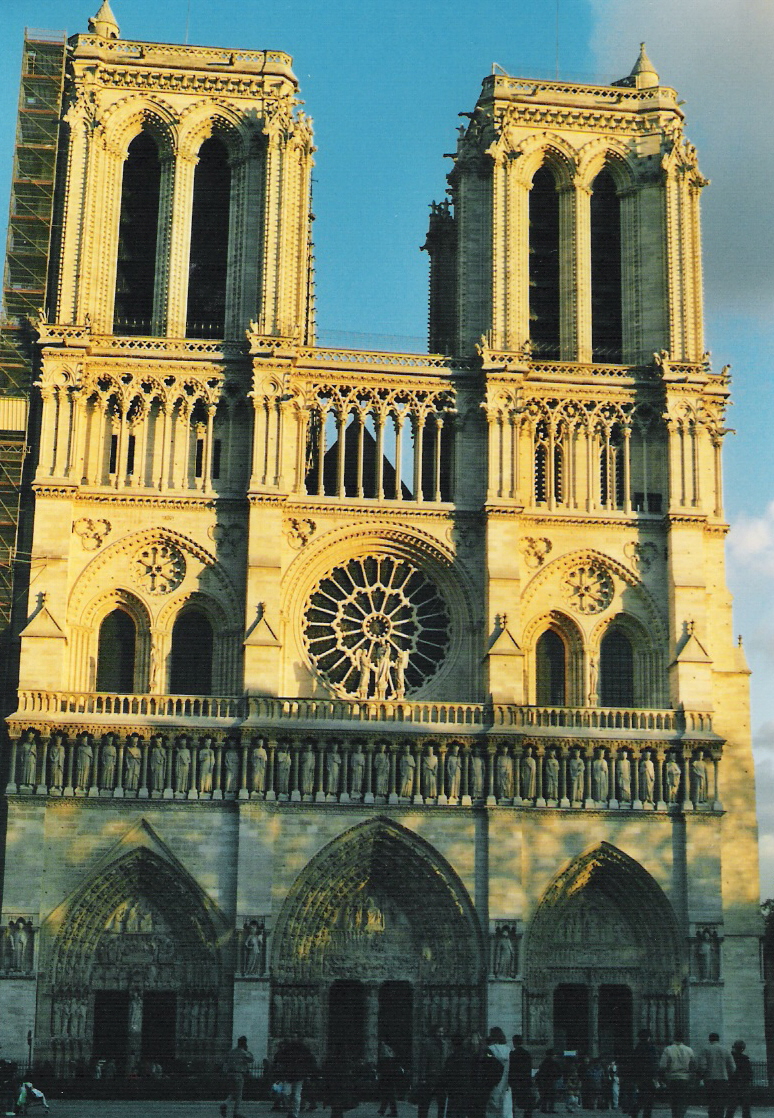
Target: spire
104	23
644	73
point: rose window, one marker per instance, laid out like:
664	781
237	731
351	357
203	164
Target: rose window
376	627
159	568
589	588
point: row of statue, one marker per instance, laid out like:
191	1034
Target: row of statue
18	947
209	768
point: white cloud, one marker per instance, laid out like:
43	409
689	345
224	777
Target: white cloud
751	543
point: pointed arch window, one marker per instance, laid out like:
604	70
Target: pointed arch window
544	265
606	297
192	654
611	467
116	653
136	271
616	670
208	261
551	670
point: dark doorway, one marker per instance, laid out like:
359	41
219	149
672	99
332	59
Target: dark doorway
571	1018
192	644
116	652
346	1019
615	1020
395	1018
159	1017
111	1027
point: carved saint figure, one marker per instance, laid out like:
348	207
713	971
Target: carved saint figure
453	772
158	765
56	759
333	771
132	765
182	766
307	770
253	948
383	672
357	771
109	755
699	770
363	665
401	664
528	775
704	954
20	942
577	768
624	769
430	774
206	765
552	776
505	775
85	757
29	759
381	772
231	765
258	759
476	776
504	962
283	768
673	776
408	766
600	777
647	778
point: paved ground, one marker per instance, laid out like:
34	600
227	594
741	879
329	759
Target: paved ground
69	1108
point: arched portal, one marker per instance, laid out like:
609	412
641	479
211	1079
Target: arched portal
603	958
378	921
133	971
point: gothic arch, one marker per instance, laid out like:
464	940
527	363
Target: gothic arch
93	615
128	118
604	920
566	629
546	149
378	903
604	154
206	120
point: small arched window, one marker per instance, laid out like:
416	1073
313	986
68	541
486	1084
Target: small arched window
616	670
541	462
137	238
192	654
606	299
551	670
208	261
116	653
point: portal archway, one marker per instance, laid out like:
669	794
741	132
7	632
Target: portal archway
380	908
133	954
603	958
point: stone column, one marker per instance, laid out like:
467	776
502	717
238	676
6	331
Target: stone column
180	243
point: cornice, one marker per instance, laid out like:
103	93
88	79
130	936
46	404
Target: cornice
557	520
117	497
402	511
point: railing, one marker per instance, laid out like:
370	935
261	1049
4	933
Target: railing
403	715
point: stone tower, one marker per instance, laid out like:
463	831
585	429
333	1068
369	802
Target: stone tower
391	689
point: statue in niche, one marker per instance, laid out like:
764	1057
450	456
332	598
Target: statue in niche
357	771
56	760
135	1012
307	770
430	774
647	778
383	671
231	767
673	776
254	947
381	772
182	766
109	757
592	682
258	761
206	765
20	942
283	768
407	768
333	771
401	665
577	772
29	758
528	775
132	764
158	764
504	954
85	756
476	775
707	954
699	770
552	775
453	772
505	775
363	665
601	778
624	768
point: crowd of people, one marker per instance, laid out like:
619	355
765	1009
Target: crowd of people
488	1078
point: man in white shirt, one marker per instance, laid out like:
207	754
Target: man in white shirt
677	1064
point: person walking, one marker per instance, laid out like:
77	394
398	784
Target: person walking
740	1084
677	1064
387	1070
238	1064
500	1102
717	1067
644	1074
520	1076
547	1079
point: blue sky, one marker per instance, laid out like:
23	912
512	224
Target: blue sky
384	81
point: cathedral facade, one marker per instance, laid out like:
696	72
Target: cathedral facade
360	690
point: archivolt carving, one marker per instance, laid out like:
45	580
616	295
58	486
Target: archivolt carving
605	152
547	149
124	120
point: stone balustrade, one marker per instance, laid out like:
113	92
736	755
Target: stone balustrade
525	770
